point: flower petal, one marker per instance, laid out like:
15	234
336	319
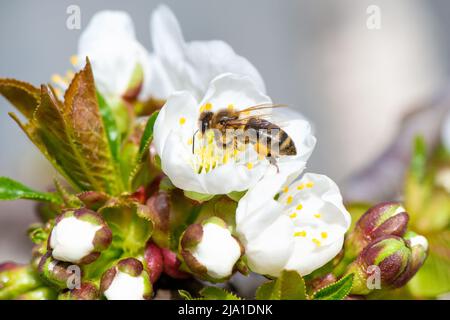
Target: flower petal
234	89
191	66
110	43
269	253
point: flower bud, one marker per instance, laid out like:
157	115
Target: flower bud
388	260
159	211
419	249
388	218
127	280
16	279
87	291
172	265
93	199
54	272
79	236
209	249
154	260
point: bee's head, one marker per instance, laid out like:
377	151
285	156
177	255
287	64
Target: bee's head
221	119
205	121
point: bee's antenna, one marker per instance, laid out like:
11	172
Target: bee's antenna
193	141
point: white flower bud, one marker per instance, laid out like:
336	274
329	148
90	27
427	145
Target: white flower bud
79	236
218	251
209	249
126	281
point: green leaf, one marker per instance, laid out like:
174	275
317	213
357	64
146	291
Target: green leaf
215	293
335	291
13	190
73	137
112	132
433	279
147	136
288	286
200	197
419	158
185	295
136	165
21	95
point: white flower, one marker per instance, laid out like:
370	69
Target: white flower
79	236
190	66
210	169
110	42
291	225
218	251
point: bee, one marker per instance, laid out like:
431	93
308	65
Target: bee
267	133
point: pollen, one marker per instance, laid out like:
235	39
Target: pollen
206	107
230	107
182	120
318	215
69	74
74	60
310	184
285	189
300	234
324	235
293	215
249	165
300	187
58	92
190	141
56	78
316	242
289	200
299	207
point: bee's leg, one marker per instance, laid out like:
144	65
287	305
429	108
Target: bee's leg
273	161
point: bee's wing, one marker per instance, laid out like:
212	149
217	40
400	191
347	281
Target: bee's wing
261	106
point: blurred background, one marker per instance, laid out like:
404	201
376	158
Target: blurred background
355	84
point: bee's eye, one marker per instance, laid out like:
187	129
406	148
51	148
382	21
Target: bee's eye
222	122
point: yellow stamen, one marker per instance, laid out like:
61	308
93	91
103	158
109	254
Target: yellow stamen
317	242
324	235
74	60
310	184
300	187
56	78
300	234
318	215
58	92
250	166
182	120
299	207
285	189
293	215
69	75
208	106
230	107
289	200
190	141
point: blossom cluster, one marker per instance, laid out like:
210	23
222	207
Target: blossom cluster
210	183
